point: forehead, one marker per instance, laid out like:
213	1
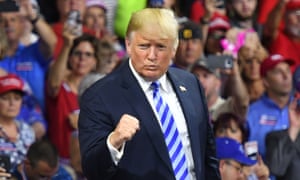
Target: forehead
10	15
42	168
281	65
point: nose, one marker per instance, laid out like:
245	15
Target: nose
152	53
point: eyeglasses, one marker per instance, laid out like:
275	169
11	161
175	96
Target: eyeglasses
216	36
238	168
85	54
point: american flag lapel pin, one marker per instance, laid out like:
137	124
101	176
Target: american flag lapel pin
182	88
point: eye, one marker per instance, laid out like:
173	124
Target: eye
161	47
144	46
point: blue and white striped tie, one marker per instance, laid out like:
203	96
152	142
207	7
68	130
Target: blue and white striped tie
172	139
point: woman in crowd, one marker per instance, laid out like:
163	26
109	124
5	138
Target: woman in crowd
15	136
249	59
77	59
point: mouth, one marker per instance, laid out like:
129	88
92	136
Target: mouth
151	67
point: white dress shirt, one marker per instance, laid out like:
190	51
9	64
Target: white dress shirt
169	96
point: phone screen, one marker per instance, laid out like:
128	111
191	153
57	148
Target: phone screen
5	162
251	148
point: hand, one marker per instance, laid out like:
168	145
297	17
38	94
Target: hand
125	130
260	169
4	174
294	118
39	130
27	10
69	34
73	119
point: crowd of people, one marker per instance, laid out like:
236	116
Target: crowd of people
80	79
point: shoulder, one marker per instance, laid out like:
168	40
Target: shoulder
182	75
278	134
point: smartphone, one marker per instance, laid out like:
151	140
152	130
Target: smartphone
9	6
220	61
5	162
251	149
74	22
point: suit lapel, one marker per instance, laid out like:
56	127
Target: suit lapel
184	94
135	95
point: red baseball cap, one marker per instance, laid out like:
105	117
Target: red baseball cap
11	82
218	22
293	5
271	61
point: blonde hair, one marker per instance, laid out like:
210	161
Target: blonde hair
259	53
158	18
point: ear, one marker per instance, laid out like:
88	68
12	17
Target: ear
128	44
27	163
221	165
265	82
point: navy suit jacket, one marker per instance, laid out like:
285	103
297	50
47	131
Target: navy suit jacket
145	155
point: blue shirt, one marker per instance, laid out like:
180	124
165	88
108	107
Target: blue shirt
29	63
31	112
61	174
263	117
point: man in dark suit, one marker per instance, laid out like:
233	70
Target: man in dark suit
120	132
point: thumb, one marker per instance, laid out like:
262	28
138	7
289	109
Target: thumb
259	159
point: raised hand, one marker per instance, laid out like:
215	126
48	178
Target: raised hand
125	130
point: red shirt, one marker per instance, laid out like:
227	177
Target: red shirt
197	11
58	110
285	46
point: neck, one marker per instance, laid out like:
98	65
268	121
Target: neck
7	122
247	24
280	100
74	81
13	46
211	100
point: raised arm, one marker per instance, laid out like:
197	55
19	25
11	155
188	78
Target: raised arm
271	27
47	36
58	69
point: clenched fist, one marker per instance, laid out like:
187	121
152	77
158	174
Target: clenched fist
125	130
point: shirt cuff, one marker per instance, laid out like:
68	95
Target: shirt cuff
115	154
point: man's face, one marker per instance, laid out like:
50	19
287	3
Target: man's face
188	52
95	18
41	171
244	9
292	21
150	55
231	170
13	25
209	81
278	80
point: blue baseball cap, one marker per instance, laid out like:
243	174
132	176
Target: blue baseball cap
228	148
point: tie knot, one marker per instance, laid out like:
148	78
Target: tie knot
155	85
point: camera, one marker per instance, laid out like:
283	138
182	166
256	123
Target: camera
5	162
220	61
9	6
